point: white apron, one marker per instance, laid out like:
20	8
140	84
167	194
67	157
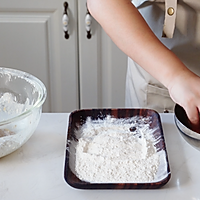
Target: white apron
181	34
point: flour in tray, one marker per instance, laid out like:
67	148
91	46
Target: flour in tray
110	150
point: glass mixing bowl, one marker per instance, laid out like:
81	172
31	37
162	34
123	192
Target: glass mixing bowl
21	98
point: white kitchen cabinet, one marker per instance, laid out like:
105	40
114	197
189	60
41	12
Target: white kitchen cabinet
102	67
78	72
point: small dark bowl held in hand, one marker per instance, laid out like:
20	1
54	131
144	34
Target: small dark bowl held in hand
183	123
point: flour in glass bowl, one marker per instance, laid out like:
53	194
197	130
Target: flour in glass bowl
12	135
116	151
9	107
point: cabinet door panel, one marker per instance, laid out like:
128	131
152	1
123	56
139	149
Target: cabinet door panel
17	51
102	67
32	40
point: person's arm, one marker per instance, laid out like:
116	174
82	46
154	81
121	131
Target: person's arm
129	31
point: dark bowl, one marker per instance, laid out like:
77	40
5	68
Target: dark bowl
185	127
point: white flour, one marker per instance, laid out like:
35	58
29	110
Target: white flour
108	152
13	135
9	107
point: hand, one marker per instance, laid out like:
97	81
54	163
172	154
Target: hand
185	91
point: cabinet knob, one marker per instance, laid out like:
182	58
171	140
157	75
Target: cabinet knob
88	22
65	21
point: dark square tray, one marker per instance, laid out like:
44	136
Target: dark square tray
78	118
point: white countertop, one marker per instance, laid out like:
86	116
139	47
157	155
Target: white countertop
36	170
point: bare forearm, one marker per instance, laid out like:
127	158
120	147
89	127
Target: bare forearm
127	28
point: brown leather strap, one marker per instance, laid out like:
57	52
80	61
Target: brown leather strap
170	18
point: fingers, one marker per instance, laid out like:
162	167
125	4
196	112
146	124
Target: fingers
193	115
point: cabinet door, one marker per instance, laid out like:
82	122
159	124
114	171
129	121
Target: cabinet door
102	67
32	40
